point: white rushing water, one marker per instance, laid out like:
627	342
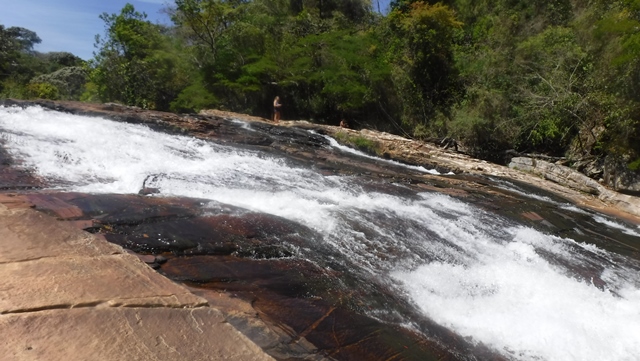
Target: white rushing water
346	149
501	284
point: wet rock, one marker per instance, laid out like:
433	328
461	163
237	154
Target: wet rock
181	226
147	258
318	312
251	235
147	191
299	296
13	178
244	253
115	209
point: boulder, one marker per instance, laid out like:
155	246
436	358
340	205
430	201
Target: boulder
619	177
557	173
573	179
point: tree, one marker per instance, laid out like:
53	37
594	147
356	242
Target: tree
421	51
315	54
16	53
135	64
618	67
14	43
17	39
552	90
206	21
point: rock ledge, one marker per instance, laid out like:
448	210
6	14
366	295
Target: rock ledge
69	295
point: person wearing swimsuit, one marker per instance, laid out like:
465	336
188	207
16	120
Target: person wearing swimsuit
276	109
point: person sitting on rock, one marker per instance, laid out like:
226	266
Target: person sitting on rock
344	124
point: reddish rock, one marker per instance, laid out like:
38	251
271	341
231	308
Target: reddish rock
116	334
533	216
67	295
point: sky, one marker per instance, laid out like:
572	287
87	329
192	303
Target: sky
71	25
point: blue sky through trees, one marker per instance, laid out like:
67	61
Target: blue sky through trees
71	25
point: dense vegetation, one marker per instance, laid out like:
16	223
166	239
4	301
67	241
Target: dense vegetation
559	77
25	73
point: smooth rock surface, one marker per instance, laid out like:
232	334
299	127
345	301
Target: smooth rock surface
119	334
68	295
22	241
572	180
558	174
68	282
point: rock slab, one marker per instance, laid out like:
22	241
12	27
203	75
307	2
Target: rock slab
118	334
68	295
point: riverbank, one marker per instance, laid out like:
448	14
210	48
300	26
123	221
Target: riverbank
560	180
210	124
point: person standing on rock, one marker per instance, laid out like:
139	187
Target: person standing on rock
276	109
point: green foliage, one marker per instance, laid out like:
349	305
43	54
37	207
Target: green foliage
69	81
359	142
193	99
136	63
635	165
17	39
205	21
551	92
315	54
527	78
16	48
421	51
53	61
557	77
42	91
19	65
336	72
90	93
12	89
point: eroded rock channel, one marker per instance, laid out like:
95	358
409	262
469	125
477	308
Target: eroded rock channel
280	281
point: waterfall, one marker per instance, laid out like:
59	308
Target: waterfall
487	278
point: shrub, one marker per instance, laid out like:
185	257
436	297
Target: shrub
635	165
69	81
11	89
42	91
193	99
359	142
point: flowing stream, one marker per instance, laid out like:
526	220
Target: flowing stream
489	279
